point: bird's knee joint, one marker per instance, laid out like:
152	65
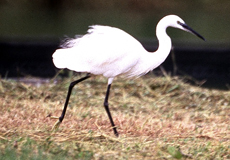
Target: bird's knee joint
72	84
106	104
60	119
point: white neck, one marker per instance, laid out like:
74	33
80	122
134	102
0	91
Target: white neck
164	41
153	60
149	61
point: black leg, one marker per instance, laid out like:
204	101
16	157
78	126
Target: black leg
69	93
106	105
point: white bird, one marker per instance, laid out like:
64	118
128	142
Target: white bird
112	52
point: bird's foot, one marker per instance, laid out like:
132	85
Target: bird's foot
56	126
53	117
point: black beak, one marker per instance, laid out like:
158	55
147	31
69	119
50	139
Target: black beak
191	30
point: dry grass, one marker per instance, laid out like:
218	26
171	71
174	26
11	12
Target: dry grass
157	118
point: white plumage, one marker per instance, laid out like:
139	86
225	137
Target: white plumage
104	50
111	52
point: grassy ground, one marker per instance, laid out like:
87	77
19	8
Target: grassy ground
157	118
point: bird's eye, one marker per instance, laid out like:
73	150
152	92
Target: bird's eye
178	22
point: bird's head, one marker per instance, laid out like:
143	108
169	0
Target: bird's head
177	22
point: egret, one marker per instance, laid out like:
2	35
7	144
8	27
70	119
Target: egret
112	52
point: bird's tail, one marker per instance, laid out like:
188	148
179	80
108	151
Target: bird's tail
59	58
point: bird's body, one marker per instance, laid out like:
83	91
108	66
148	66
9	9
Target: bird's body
95	54
111	52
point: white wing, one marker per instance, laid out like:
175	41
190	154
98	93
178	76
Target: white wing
104	50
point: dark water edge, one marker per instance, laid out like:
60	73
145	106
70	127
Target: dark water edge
208	64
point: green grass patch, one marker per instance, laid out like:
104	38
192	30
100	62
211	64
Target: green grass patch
157	118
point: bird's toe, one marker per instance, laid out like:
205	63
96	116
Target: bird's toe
56	126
